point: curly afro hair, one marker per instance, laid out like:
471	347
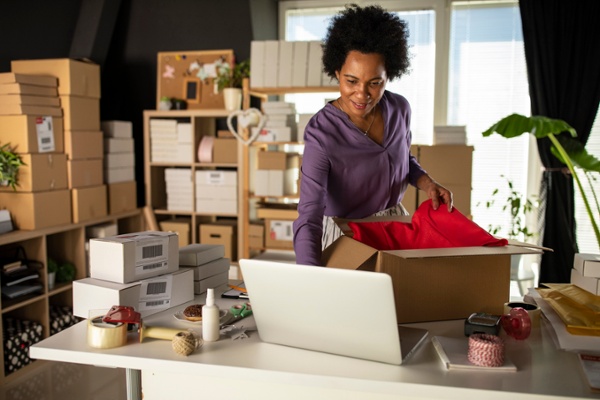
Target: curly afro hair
368	29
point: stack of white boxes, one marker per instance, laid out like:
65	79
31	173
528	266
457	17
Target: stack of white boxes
211	268
276	173
139	270
180	189
171	141
119	166
450	134
281	64
216	192
586	272
281	122
119	152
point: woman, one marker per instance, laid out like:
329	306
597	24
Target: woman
357	160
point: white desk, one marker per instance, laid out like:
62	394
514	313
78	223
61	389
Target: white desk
249	369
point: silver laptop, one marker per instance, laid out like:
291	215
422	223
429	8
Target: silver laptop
337	311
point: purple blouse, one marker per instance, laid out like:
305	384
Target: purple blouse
345	174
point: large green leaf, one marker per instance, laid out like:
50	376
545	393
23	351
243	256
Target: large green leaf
579	156
515	125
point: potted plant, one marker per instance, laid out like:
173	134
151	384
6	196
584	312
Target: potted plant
10	162
52	268
229	81
569	151
518	207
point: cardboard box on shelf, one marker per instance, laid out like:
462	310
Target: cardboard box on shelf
279	160
181	226
20	109
435	160
279	234
24	89
117	129
76	78
41	172
80	145
89	203
277	213
134	256
84	173
81	113
28	79
222	232
115	175
435	284
28	100
222	207
169	290
256	236
30	134
122	196
225	151
38	210
118	145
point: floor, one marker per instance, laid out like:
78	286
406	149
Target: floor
65	381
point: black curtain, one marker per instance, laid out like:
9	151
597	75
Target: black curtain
563	63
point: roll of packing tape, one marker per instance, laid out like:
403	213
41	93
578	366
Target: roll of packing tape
102	335
532	310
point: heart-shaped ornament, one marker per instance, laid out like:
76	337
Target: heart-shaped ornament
251	117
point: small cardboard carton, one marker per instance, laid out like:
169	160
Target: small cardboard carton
435	284
89	203
41	172
223	232
77	78
38	210
32	134
122	196
80	145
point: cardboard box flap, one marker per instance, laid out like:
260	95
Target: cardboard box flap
342	223
463	251
347	253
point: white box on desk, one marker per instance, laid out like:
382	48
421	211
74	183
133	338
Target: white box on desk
147	296
212	268
587	283
587	264
197	254
211	282
131	257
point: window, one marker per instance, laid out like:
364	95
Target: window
586	239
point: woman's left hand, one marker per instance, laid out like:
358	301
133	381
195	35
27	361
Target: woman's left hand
436	192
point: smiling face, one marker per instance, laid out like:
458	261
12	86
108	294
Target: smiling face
362	82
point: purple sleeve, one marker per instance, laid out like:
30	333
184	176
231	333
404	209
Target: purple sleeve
308	228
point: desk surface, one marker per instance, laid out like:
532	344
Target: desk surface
542	370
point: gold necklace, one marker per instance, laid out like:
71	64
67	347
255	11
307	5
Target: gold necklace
366	133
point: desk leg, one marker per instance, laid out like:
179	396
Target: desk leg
134	384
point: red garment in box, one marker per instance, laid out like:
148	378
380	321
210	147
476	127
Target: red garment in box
429	229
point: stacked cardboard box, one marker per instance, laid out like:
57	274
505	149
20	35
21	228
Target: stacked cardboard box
211	268
216	192
281	122
180	189
32	126
139	270
279	232
287	64
119	166
79	92
171	141
586	272
276	174
180	225
221	232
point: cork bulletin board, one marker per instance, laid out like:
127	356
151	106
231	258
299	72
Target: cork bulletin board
189	75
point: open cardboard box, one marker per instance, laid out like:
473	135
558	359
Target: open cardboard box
434	284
